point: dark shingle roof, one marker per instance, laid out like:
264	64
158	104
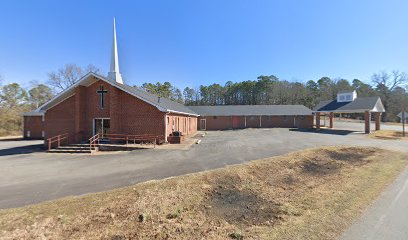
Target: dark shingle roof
359	104
248	110
152	98
345	91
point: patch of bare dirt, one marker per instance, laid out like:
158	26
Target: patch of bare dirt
242	207
320	168
331	162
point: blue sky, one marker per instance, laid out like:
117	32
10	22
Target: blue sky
204	41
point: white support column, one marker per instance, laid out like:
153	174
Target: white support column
260	121
245	121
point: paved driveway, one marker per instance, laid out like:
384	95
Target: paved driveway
30	176
359	126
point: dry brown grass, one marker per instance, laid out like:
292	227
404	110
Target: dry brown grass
10	134
389	135
312	194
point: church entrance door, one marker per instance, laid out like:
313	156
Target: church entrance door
101	126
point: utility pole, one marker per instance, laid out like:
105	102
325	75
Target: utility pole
403	123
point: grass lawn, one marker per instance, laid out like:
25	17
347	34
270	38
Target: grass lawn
389	135
312	194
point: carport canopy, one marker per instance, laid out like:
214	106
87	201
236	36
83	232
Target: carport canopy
366	105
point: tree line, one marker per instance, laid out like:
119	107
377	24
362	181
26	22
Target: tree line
264	90
267	90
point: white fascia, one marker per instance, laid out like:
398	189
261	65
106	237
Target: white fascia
183	113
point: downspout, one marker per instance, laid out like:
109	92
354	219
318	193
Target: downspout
165	127
43	126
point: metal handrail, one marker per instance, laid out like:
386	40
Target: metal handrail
94	140
134	137
57	139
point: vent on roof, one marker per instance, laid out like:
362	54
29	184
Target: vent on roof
345	96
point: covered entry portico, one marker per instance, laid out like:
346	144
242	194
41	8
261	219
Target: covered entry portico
371	107
368	117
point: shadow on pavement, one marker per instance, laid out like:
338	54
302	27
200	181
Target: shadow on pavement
341	132
11	139
22	150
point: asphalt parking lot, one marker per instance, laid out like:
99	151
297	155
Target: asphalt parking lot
29	175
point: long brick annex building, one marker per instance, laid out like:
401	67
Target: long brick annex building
105	105
253	116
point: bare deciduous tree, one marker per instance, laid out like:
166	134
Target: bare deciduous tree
68	75
391	81
92	68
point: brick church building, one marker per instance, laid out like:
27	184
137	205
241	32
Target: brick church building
98	104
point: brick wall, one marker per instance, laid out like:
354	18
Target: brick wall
252	121
61	119
34	125
238	122
135	116
268	122
127	114
218	122
177	122
283	121
80	110
304	121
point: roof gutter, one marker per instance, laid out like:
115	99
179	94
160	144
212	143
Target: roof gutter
189	114
347	111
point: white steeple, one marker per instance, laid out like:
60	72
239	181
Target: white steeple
114	73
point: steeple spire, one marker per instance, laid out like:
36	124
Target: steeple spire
114	73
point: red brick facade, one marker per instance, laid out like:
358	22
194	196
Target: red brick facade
239	122
177	122
33	127
128	115
61	119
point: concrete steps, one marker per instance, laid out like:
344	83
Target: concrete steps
73	148
84	148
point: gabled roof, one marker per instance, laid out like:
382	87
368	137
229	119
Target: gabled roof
363	104
164	105
169	105
250	110
405	115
